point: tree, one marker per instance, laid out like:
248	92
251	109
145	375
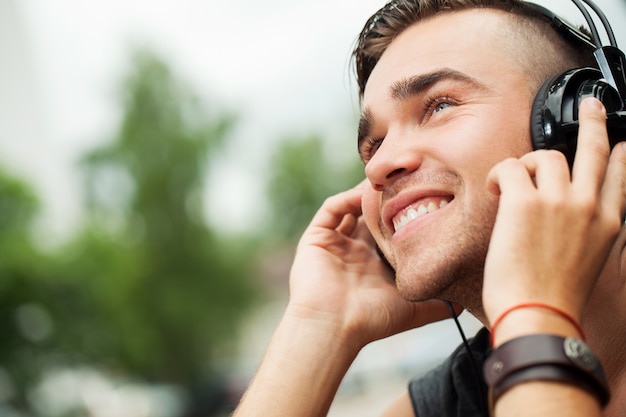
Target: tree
155	291
24	317
147	289
303	175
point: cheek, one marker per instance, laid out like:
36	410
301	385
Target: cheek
370	203
491	142
514	130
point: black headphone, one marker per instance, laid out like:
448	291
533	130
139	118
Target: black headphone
554	116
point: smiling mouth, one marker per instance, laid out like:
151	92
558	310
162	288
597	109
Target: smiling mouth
420	209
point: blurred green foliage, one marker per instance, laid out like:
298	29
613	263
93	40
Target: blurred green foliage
146	288
22	283
184	290
303	178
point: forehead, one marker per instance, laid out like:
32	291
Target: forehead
469	42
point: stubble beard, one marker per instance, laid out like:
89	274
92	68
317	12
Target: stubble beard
452	270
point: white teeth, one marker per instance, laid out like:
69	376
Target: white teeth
413	213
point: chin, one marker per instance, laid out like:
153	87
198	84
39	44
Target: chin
458	281
422	285
450	268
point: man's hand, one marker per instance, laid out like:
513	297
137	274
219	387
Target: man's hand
553	231
339	279
342	297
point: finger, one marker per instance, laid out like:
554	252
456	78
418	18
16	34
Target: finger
363	184
509	174
335	208
351	223
348	224
593	148
548	169
361	232
614	189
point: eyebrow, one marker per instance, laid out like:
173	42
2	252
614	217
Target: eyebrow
412	86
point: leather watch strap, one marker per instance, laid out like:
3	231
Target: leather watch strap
548	358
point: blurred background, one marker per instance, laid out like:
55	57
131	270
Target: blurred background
158	162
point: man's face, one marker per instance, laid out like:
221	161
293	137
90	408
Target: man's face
442	106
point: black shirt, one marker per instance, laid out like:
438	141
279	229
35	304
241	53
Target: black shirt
454	388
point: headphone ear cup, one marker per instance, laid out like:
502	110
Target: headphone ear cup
537	116
554	114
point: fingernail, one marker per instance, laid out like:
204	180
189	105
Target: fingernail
593	103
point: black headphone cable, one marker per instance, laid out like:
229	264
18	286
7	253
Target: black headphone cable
477	374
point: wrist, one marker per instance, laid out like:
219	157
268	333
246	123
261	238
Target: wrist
303	366
532	318
327	330
545	358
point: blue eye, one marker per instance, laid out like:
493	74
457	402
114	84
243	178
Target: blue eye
435	104
441	106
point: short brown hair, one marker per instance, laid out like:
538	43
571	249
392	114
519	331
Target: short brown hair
529	28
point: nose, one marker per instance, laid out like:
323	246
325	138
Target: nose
394	159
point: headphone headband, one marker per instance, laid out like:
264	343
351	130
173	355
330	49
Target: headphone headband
554	116
610	59
565	28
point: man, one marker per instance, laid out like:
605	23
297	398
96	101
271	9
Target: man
463	211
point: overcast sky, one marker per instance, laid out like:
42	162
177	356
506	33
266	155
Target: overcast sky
282	64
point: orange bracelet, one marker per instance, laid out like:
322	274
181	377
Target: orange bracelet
556	310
